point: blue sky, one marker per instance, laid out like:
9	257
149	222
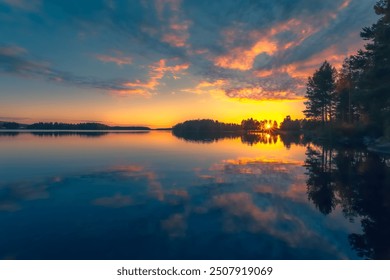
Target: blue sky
159	62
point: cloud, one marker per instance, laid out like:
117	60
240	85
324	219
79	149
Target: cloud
258	93
175	225
28	5
261	201
116	201
14	60
13	195
118	60
243	59
261	49
282	49
207	87
157	71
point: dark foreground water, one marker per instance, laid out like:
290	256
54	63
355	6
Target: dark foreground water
151	195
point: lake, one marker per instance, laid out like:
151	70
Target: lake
151	195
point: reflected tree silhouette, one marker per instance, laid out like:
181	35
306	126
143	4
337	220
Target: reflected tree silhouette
358	182
89	134
8	134
56	134
370	200
320	185
291	138
250	131
256	138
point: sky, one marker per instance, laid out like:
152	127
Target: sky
157	63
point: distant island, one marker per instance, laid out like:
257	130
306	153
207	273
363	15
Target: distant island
68	126
207	130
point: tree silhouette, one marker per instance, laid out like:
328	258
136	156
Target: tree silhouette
374	84
320	94
358	182
320	184
362	89
290	125
346	106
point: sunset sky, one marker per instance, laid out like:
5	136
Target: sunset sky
160	62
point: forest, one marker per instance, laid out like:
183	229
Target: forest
354	101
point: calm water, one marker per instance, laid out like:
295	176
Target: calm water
154	196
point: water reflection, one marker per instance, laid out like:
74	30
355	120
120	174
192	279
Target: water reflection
205	137
8	133
255	202
256	138
68	133
289	139
358	181
246	138
155	197
59	133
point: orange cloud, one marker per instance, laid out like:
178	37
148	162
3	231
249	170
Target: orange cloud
119	60
175	39
243	59
263	73
156	72
241	204
344	5
259	93
264	167
306	68
206	87
264	42
207	84
175	30
253	161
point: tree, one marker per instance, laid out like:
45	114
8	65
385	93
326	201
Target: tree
275	125
250	124
374	83
346	87
320	94
363	86
356	182
290	125
320	182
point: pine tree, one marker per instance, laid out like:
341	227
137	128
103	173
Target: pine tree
320	94
374	84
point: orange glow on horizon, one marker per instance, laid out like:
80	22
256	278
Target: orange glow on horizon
162	113
223	110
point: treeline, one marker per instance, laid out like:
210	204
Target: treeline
290	125
68	126
212	126
205	127
207	130
9	125
262	126
357	96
